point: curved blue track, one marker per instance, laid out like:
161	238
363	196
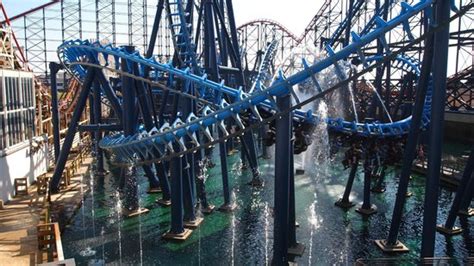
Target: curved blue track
147	144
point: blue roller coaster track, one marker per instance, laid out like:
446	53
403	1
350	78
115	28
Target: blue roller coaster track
144	145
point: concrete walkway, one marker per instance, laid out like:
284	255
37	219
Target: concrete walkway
20	216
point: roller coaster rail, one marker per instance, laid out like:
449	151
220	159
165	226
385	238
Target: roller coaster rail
141	143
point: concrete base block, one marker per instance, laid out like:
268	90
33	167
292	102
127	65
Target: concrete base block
344	204
378	190
370	211
134	213
154	190
469	212
164	203
193	224
228	207
180	237
296	250
448	231
397	248
210	209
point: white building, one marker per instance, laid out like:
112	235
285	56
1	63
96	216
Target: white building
22	154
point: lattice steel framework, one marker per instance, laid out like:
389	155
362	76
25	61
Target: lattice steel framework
71	19
35	45
105	21
119	22
462	38
255	36
137	23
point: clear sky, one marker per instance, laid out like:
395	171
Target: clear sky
294	16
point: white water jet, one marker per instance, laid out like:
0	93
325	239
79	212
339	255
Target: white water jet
233	239
380	100
118	211
140	225
266	213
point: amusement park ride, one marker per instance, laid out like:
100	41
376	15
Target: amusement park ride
166	116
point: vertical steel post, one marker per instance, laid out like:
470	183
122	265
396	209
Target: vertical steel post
468	196
367	207
210	62
154	30
54	68
282	183
440	62
349	23
294	248
410	148
67	145
130	127
224	173
344	202
111	96
291	205
177	225
97	110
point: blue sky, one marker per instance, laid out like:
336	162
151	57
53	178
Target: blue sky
294	16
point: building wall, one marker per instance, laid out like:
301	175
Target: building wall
20	163
17	128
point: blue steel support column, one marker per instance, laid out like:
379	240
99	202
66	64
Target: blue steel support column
189	174
177	225
249	140
154	30
440	62
91	113
164	183
97	111
375	104
291	206
263	131
391	244
367	208
249	152
461	191
111	96
210	63
76	116
282	183
294	248
228	205
130	128
466	200
145	107
347	34
54	68
248	136
344	202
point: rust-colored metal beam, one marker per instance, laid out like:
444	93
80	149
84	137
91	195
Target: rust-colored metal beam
29	12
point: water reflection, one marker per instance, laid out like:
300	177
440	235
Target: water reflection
244	237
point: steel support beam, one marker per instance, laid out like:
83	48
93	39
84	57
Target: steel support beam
54	68
440	62
391	243
461	192
282	183
67	145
